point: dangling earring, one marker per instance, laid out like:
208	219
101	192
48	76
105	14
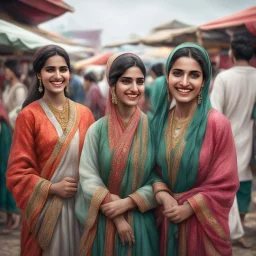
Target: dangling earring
40	88
199	97
113	96
168	95
66	89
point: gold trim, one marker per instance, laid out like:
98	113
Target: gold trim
86	242
183	238
204	215
209	248
160	186
36	201
136	159
49	222
140	201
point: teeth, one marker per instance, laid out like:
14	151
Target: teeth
132	95
57	83
183	90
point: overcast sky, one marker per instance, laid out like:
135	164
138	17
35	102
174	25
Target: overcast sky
121	18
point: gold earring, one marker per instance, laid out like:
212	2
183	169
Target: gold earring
199	97
113	96
40	88
66	89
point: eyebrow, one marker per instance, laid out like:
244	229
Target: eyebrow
127	77
55	67
177	69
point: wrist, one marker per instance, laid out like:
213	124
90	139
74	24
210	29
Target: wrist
129	203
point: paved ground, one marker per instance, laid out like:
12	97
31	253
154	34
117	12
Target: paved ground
9	244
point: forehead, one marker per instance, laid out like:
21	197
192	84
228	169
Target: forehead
55	61
133	72
186	63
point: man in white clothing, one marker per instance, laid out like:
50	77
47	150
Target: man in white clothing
234	94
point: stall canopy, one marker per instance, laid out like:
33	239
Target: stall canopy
100	59
13	38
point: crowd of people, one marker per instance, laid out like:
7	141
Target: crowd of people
154	169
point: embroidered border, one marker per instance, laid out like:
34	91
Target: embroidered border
140	201
160	186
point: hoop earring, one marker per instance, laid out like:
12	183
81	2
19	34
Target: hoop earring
113	96
40	88
199	97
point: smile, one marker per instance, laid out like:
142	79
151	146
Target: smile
57	83
132	96
184	90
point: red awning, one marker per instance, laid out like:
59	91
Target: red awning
246	17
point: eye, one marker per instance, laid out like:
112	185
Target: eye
140	81
125	81
195	75
177	73
49	70
63	69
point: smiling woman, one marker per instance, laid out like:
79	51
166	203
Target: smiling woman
42	170
196	155
115	196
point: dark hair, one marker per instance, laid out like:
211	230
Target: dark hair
39	60
122	63
90	76
13	65
192	53
158	69
242	48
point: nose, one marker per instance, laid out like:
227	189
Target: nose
57	74
185	80
134	86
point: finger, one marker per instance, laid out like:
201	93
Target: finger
69	179
171	215
71	190
122	240
72	185
128	238
132	236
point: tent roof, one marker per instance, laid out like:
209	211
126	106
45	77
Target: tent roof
13	37
244	17
173	24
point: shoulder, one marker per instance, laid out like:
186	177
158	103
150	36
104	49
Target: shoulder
218	121
82	109
96	127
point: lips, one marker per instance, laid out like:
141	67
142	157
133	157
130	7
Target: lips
57	83
183	91
132	96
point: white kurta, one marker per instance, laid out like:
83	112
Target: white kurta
234	95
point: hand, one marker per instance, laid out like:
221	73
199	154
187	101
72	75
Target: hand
118	207
66	188
179	213
124	230
165	199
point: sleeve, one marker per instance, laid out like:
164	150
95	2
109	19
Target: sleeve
23	174
91	189
218	94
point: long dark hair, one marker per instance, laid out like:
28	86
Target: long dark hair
121	64
39	59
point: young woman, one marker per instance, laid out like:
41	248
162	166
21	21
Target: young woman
196	157
15	92
43	165
115	193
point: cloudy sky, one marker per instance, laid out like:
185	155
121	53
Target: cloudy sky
119	19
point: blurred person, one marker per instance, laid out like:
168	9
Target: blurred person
15	92
42	169
94	99
215	70
76	90
7	203
195	153
234	94
115	196
156	71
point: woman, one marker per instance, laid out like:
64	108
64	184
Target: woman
115	193
44	159
7	203
196	157
15	92
94	99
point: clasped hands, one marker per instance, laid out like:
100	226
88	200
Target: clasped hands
115	210
174	212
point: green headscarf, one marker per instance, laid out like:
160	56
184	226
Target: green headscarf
196	131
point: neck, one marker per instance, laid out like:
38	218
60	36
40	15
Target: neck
241	63
14	81
185	110
57	100
125	112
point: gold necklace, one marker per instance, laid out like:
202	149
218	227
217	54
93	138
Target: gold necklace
62	116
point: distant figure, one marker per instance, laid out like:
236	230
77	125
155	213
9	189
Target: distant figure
234	94
94	98
76	91
15	93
